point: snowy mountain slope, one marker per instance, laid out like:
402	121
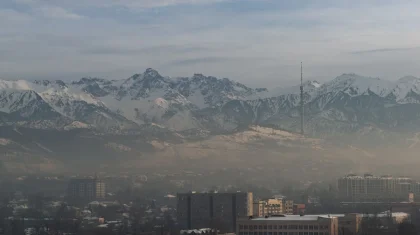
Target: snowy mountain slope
355	85
406	90
27	108
347	103
309	87
151	98
22	102
206	102
205	91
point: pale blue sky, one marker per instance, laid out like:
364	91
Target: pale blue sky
257	42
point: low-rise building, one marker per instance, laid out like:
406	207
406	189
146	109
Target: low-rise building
299	209
289	225
352	224
272	206
288	207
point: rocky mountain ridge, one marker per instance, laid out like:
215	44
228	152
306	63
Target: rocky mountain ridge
347	103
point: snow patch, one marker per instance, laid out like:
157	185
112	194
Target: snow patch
5	142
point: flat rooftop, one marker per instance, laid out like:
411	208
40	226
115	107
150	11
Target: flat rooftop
324	216
294	217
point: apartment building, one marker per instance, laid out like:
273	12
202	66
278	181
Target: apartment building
89	189
204	210
272	206
370	188
289	225
288	207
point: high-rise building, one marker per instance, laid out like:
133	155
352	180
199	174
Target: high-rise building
204	210
88	189
369	188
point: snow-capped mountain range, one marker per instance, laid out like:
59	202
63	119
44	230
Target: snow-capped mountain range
347	102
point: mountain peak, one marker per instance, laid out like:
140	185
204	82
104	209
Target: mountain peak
354	84
151	73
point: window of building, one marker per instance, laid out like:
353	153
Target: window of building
305	227
300	226
270	227
241	226
315	227
300	233
255	227
245	226
260	226
241	233
270	233
315	233
260	233
311	233
311	227
265	226
305	233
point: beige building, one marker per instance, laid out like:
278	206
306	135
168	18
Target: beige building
369	188
272	206
289	225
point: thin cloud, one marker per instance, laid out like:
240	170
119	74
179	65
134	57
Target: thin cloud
215	59
114	38
379	50
12	16
199	61
121	3
164	49
57	13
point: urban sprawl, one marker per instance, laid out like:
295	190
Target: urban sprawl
356	204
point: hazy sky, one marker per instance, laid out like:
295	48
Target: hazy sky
257	42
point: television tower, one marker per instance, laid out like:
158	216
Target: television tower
301	100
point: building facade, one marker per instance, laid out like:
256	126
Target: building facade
272	206
299	209
88	189
289	225
288	207
204	210
370	188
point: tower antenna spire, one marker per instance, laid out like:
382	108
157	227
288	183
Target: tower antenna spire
301	100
